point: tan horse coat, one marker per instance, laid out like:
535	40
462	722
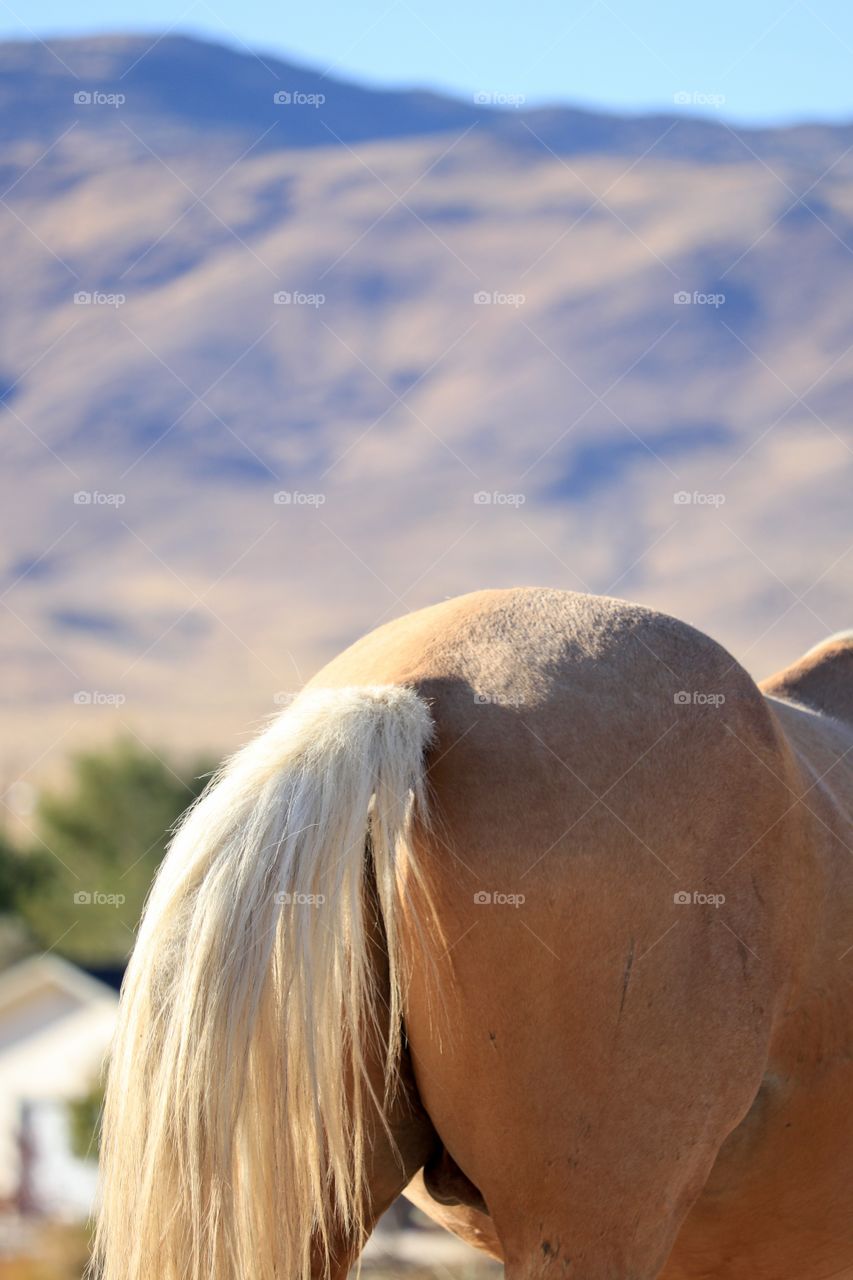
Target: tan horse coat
609	904
635	1085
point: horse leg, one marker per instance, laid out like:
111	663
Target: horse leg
463	1214
400	1137
584	1178
588	1149
398	1146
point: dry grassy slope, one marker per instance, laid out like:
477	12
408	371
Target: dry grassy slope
596	398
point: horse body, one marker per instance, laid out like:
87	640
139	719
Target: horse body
777	1202
621	1025
622	918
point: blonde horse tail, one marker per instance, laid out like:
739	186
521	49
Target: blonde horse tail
232	1144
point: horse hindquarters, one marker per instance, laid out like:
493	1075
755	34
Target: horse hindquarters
591	1038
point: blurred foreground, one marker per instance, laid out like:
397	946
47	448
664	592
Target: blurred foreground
51	1251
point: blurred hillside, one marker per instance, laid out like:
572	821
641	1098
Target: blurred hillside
284	357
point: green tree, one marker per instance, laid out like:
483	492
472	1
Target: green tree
17	877
84	1119
13	868
99	842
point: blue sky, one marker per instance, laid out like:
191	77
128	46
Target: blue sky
752	60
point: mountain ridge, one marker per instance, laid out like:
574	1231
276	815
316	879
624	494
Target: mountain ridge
176	78
490	363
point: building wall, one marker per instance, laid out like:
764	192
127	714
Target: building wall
59	1059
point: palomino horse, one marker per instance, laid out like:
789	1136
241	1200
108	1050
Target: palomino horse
532	903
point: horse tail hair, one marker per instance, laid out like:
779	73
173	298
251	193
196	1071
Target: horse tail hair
232	1144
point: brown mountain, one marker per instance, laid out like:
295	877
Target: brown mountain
382	306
